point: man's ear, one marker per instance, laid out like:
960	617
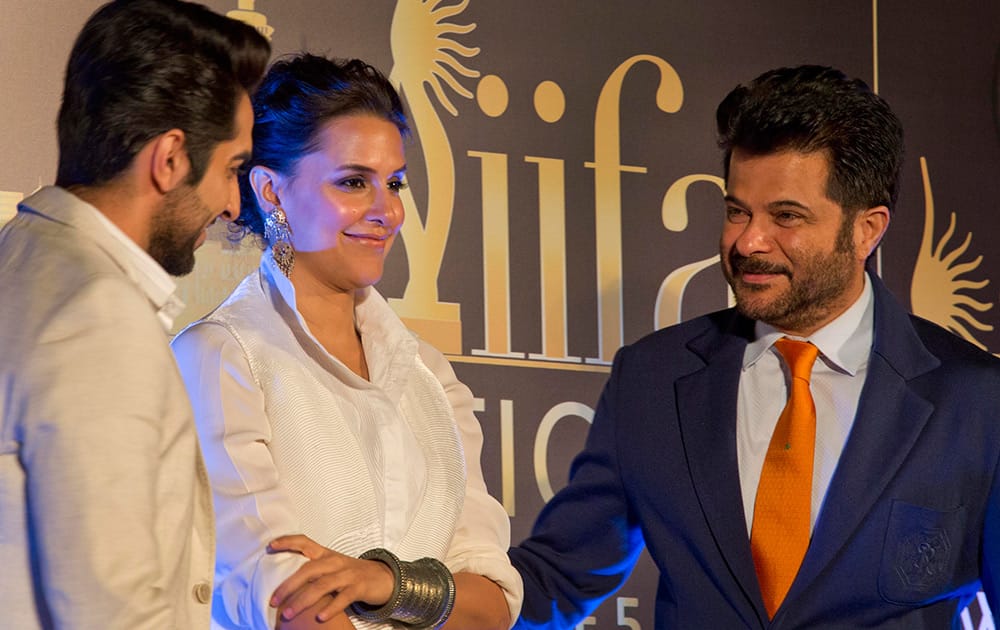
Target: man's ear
266	184
169	164
870	226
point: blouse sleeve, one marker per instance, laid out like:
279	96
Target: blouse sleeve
252	507
482	534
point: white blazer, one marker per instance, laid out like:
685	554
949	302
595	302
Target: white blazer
105	508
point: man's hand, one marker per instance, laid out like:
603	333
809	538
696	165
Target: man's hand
328	573
307	619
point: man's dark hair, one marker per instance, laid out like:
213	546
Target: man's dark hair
298	97
142	67
815	108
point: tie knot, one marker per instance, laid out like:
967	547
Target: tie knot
799	355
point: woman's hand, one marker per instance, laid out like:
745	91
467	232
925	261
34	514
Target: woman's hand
328	573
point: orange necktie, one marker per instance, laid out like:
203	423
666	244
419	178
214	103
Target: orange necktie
780	533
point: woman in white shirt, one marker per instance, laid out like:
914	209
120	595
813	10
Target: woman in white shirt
319	413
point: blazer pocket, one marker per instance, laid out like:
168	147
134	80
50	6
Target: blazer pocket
921	553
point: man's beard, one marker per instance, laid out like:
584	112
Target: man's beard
814	286
172	240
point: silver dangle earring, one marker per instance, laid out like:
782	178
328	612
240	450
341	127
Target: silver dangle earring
278	233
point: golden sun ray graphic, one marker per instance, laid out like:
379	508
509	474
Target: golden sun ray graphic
939	282
423	52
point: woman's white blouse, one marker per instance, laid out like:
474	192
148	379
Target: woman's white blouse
295	442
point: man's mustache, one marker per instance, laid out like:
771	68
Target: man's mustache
746	264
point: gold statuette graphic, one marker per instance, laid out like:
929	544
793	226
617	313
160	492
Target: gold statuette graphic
424	53
248	15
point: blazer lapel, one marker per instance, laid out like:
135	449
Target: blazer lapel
888	422
706	402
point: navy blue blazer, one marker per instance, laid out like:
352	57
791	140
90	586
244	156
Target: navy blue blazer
909	530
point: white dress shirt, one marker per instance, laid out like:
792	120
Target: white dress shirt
296	442
837	378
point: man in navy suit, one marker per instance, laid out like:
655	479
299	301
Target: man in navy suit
902	524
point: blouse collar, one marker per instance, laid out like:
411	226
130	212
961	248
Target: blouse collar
390	348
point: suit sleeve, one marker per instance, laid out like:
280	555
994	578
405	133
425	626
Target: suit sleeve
991	546
586	541
252	506
91	435
482	534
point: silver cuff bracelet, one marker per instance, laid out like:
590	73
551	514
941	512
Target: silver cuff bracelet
423	592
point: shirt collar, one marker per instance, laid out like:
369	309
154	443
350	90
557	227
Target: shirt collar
389	346
280	282
845	342
365	302
63	206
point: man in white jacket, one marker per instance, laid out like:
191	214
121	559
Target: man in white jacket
105	512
